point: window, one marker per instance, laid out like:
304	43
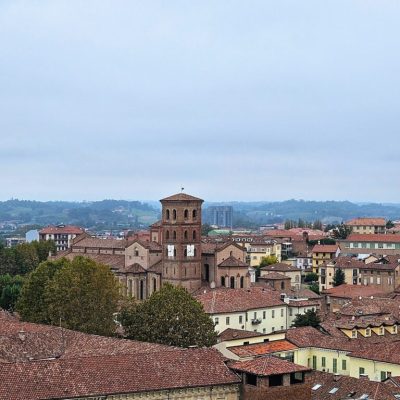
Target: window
136	253
275	380
281	312
167	214
194	235
227	320
251	379
354	334
314	362
273	313
154	284
296	377
167	235
368	332
323	361
240	319
174	214
344	366
194	214
290	311
232	282
185	235
383	375
186	214
334	366
242	282
361	371
264	314
222	281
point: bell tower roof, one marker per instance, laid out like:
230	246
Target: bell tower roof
181	197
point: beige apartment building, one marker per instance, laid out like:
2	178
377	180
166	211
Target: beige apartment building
367	226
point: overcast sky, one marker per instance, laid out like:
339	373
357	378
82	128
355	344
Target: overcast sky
233	100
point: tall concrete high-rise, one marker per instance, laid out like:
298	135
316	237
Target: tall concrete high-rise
221	216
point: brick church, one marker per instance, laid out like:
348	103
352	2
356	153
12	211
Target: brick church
175	253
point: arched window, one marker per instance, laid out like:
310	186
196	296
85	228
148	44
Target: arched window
166	251
222	281
167	235
167	214
130	288
185	253
174	252
184	270
186	214
141	294
231	253
242	282
174	235
194	235
194	214
154	284
173	214
194	252
185	235
232	282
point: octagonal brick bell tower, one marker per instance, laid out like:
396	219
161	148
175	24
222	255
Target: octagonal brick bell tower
181	230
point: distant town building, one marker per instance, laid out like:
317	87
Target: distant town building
14	241
32	235
221	216
62	235
367	225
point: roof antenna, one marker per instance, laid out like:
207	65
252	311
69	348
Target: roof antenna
182	189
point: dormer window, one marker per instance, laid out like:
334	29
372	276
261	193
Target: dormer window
354	333
368	332
381	330
394	329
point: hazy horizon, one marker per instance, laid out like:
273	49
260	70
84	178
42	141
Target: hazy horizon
231	100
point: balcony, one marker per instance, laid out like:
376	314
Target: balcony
256	321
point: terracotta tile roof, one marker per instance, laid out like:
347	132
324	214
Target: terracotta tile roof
156	268
274	276
259	349
268	365
353	291
379	267
181	197
107	375
66	229
335	387
233	262
101	243
20	341
344	262
114	261
367	221
371	307
304	303
375	238
282	267
233	334
150	245
311	337
135	268
224	300
156	224
386	352
325	248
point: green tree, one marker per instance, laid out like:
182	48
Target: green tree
310	318
26	258
389	224
32	304
80	294
10	287
205	228
314	287
170	316
317	225
338	277
311	277
44	248
342	231
268	260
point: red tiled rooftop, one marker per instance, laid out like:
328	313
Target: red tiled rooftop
181	197
224	300
232	262
265	366
259	349
67	229
325	248
233	334
367	221
353	291
374	238
107	375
